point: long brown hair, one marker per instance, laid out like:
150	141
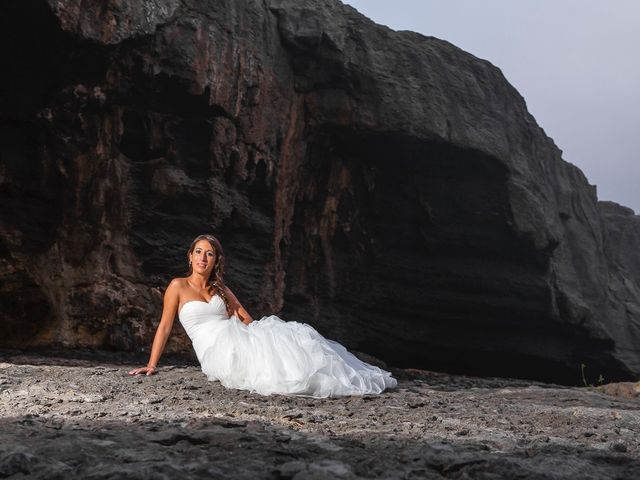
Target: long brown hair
216	282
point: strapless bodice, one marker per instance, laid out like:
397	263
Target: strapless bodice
194	309
202	319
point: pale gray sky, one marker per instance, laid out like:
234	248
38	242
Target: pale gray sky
576	63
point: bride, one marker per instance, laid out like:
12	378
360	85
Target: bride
266	356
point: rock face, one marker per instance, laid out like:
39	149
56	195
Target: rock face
386	187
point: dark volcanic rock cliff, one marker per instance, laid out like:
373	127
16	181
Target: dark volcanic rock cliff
386	187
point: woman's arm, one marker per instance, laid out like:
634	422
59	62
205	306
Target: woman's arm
169	311
236	308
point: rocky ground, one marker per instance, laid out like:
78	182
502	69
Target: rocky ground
82	416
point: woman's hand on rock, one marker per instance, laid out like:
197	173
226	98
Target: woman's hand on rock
143	371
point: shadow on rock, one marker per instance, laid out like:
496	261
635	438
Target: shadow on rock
58	448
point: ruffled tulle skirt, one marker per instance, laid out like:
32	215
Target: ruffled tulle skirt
273	356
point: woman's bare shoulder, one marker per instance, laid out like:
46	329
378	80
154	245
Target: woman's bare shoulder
177	284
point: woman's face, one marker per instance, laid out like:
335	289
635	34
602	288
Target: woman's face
203	258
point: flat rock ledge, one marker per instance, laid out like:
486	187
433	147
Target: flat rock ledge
84	417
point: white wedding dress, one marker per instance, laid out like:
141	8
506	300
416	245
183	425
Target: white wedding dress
273	356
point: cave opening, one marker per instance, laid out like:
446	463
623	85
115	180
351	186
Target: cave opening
33	53
427	269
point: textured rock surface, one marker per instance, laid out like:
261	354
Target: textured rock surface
386	187
70	418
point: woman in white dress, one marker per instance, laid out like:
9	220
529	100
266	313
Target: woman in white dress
269	356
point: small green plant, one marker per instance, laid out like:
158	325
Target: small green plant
600	380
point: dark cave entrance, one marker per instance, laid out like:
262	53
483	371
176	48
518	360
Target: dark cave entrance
39	62
32	54
425	267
